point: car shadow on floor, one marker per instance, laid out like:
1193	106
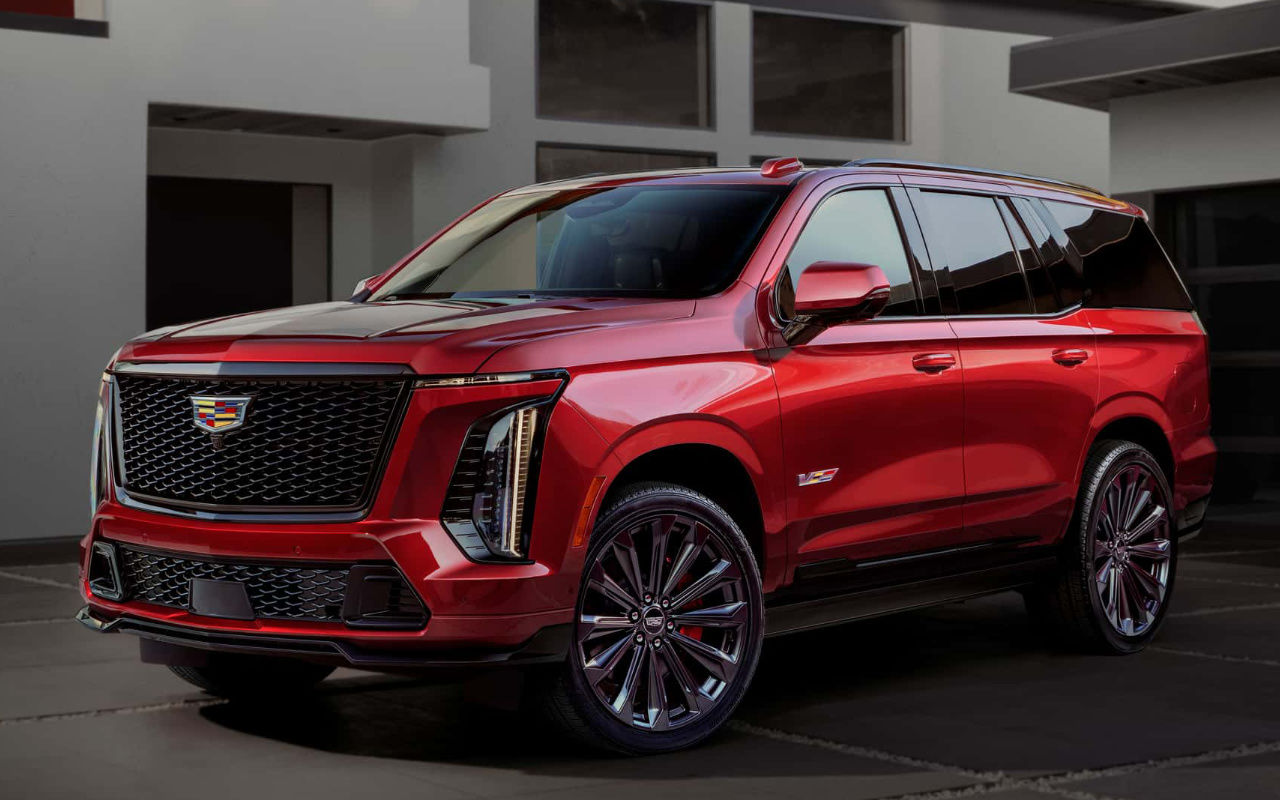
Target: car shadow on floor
422	720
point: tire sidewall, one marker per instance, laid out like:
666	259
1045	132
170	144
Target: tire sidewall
622	516
1113	460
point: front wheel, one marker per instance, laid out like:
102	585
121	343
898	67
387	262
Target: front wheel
1115	579
669	622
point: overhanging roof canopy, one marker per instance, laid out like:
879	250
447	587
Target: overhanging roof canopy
1200	49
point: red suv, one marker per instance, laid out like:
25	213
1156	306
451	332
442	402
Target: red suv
624	427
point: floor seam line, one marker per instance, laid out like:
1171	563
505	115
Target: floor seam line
18	623
18	576
176	705
1262	662
1206	612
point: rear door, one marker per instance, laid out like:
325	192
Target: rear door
871	410
1029	365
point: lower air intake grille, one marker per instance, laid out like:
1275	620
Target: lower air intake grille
276	591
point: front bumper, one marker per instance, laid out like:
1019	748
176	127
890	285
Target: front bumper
548	645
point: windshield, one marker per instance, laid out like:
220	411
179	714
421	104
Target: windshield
660	241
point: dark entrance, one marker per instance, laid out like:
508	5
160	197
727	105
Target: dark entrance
1226	244
219	247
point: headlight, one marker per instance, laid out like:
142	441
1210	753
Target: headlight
489	507
98	458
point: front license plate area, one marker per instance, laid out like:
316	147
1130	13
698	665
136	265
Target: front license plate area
224	599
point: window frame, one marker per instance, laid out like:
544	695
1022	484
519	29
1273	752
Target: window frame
898	205
903	111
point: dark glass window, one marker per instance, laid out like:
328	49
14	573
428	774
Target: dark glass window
1062	267
854	227
827	77
966	233
1043	297
648	241
556	162
1124	266
637	62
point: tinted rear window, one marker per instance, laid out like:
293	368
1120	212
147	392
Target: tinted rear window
1124	266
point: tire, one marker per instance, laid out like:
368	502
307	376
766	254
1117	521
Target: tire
233	675
619	642
1112	587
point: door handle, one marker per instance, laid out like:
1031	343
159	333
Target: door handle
933	363
1071	356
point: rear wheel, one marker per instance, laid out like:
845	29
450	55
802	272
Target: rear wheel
1114	582
668	625
234	675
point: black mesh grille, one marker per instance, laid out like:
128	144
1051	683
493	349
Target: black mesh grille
304	443
276	591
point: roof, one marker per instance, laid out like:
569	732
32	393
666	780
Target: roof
1091	69
1041	186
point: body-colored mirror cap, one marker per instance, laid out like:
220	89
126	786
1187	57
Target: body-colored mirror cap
842	290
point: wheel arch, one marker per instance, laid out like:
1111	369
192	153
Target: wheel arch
1138	419
718	464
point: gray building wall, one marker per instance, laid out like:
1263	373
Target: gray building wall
75	152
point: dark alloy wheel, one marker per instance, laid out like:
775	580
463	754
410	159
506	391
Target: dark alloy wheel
1116	576
668	626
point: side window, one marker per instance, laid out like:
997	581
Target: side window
1124	266
857	226
1043	296
967	235
1062	267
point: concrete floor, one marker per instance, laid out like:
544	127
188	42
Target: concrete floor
965	700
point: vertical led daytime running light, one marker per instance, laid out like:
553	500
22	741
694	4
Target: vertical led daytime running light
523	425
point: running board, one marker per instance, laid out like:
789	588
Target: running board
808	614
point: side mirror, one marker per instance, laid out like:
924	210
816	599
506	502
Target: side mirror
362	288
834	292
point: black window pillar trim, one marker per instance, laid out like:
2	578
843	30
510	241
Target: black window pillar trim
45	23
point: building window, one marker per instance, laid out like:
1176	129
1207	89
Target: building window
559	161
827	77
644	62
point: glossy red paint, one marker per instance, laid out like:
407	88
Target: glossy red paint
944	430
829	286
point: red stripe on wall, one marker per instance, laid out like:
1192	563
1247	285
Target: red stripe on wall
49	8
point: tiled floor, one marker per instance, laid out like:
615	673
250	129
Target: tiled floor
962	701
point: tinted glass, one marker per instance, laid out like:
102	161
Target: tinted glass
966	233
1124	266
640	62
646	241
1042	295
556	162
854	227
1063	268
827	77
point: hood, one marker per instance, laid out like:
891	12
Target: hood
432	336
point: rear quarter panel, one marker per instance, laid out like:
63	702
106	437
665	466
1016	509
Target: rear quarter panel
1154	364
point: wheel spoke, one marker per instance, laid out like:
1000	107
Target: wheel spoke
1111	597
690	548
729	615
1104	573
1147	526
596	624
602	583
1158	550
721	572
1124	604
676	668
1143	498
603	663
626	695
657	715
719	663
629	562
1148	586
661	529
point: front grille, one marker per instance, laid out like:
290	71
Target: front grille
276	590
304	444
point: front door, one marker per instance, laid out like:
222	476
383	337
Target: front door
872	411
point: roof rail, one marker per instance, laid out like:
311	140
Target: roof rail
994	173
